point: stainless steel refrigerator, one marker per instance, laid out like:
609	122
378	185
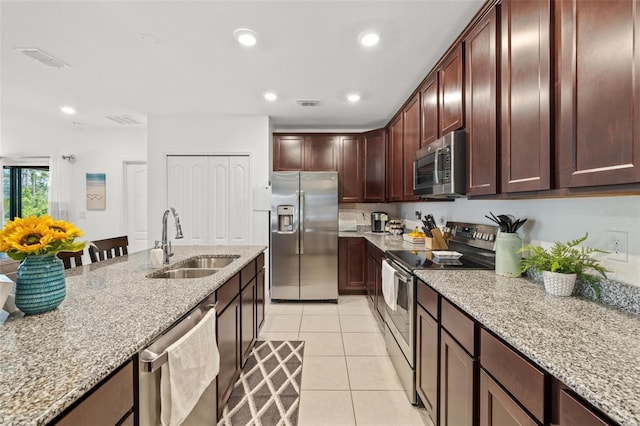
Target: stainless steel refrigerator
304	236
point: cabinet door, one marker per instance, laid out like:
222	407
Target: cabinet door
411	144
574	413
451	100
374	166
497	408
480	65
429	113
248	315
525	136
598	121
260	301
456	383
396	159
351	266
427	347
320	154
228	334
288	152
350	169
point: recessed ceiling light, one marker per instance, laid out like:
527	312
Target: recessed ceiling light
354	97
149	38
270	96
68	110
246	37
368	38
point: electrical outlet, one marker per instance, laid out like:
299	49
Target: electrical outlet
617	245
418	214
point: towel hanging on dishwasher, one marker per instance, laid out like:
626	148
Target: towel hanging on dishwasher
193	363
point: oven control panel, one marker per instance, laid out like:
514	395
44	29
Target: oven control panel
476	235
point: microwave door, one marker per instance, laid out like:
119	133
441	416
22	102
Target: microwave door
425	170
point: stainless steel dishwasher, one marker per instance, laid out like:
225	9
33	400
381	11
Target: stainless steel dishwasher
151	359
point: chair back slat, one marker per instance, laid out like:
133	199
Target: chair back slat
68	256
108	248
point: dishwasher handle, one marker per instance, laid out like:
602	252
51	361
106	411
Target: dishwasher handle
155	355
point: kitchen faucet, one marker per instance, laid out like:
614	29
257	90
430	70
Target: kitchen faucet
166	245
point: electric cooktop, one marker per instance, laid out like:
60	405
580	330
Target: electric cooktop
476	243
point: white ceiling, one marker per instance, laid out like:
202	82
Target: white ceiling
306	49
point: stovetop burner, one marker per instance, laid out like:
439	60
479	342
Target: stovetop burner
475	242
424	259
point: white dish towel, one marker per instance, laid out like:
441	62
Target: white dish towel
193	363
389	288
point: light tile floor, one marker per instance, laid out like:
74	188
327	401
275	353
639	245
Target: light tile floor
347	376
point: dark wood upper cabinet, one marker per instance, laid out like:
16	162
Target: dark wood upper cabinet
411	132
288	152
320	153
598	71
451	99
480	84
375	154
350	162
429	112
525	92
396	160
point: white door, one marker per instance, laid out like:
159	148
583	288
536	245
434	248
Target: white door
187	193
211	195
135	179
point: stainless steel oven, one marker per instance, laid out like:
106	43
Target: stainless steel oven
400	323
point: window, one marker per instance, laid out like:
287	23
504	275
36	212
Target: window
25	191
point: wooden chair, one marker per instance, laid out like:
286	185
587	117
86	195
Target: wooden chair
108	248
67	256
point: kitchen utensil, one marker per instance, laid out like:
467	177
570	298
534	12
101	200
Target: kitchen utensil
427	231
431	221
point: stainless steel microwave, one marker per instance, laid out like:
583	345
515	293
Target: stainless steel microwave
439	168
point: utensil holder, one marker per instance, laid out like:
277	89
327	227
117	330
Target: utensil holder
436	242
507	256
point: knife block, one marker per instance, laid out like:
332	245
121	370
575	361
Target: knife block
436	242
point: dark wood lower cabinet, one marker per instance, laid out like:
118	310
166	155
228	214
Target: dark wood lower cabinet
457	369
351	266
497	408
109	404
228	334
575	413
248	313
427	347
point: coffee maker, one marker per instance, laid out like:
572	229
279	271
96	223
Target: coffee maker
379	221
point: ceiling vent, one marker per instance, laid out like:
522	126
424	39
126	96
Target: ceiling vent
122	119
42	56
308	102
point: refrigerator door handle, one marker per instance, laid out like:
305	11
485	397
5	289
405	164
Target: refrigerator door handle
297	231
301	230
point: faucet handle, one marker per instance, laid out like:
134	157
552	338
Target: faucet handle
157	244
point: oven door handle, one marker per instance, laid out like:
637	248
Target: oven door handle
398	271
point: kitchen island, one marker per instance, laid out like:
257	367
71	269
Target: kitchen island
111	311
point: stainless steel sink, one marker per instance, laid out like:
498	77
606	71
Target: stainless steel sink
183	273
208	262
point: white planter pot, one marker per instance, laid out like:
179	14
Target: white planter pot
559	284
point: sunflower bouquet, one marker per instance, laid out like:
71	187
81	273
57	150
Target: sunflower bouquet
36	236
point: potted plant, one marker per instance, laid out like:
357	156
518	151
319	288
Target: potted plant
562	264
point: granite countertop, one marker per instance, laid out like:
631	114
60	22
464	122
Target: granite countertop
111	311
384	241
592	348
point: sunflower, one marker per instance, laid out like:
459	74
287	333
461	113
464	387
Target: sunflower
33	235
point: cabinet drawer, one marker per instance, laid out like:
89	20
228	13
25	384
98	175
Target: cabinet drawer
428	298
521	378
107	404
459	325
247	273
260	262
575	413
226	293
